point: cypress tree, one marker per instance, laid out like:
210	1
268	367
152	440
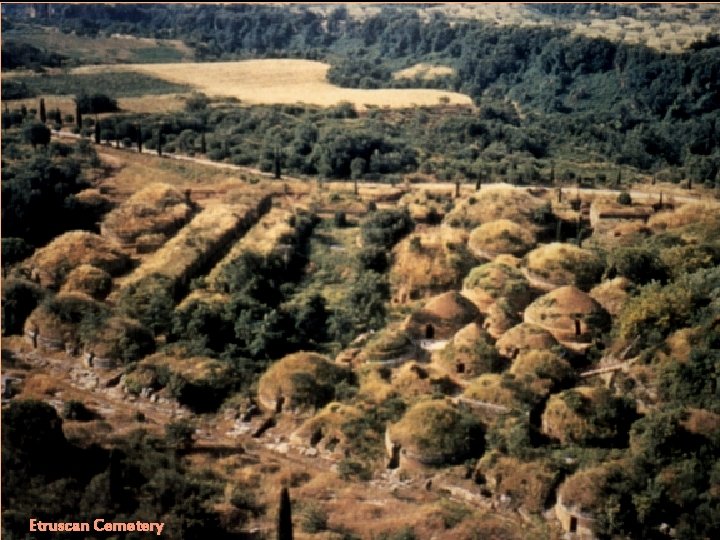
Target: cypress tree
277	164
43	116
285	529
139	138
203	145
159	141
97	131
78	115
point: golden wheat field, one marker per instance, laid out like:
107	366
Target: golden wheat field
423	71
282	81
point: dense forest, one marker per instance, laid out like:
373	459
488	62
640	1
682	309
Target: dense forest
629	103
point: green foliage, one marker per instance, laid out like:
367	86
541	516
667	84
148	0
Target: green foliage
122	84
37	197
314	519
695	383
76	410
624	198
384	228
179	435
19	299
37	133
149	301
285	526
348	469
639	264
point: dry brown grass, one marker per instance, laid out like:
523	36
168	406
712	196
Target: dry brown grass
439	264
423	71
278	379
208	232
525	337
192	369
528	484
52	263
493	203
156	209
561	422
685	215
281	81
329	421
567	313
611	295
272	230
89	280
563	264
498	280
446	313
489	388
501	237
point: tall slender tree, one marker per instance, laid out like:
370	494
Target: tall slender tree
43	116
285	528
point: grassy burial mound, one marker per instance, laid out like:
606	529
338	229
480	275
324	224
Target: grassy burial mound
414	382
501	317
50	265
587	415
487	283
198	382
558	264
611	294
300	380
88	279
391	346
527	484
198	243
469	353
581	497
434	432
58	321
425	206
494	390
273	230
542	371
441	317
148	218
525	337
118	341
494	203
429	262
325	431
281	81
501	236
569	314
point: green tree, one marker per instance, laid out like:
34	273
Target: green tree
37	133
43	116
285	526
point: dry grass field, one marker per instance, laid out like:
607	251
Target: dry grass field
281	81
102	50
423	71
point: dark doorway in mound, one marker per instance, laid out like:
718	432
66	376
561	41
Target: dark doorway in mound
394	461
429	331
573	524
577	327
460	367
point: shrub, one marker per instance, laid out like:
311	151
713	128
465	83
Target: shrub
624	198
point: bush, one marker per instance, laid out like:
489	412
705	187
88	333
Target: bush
76	410
624	198
314	520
